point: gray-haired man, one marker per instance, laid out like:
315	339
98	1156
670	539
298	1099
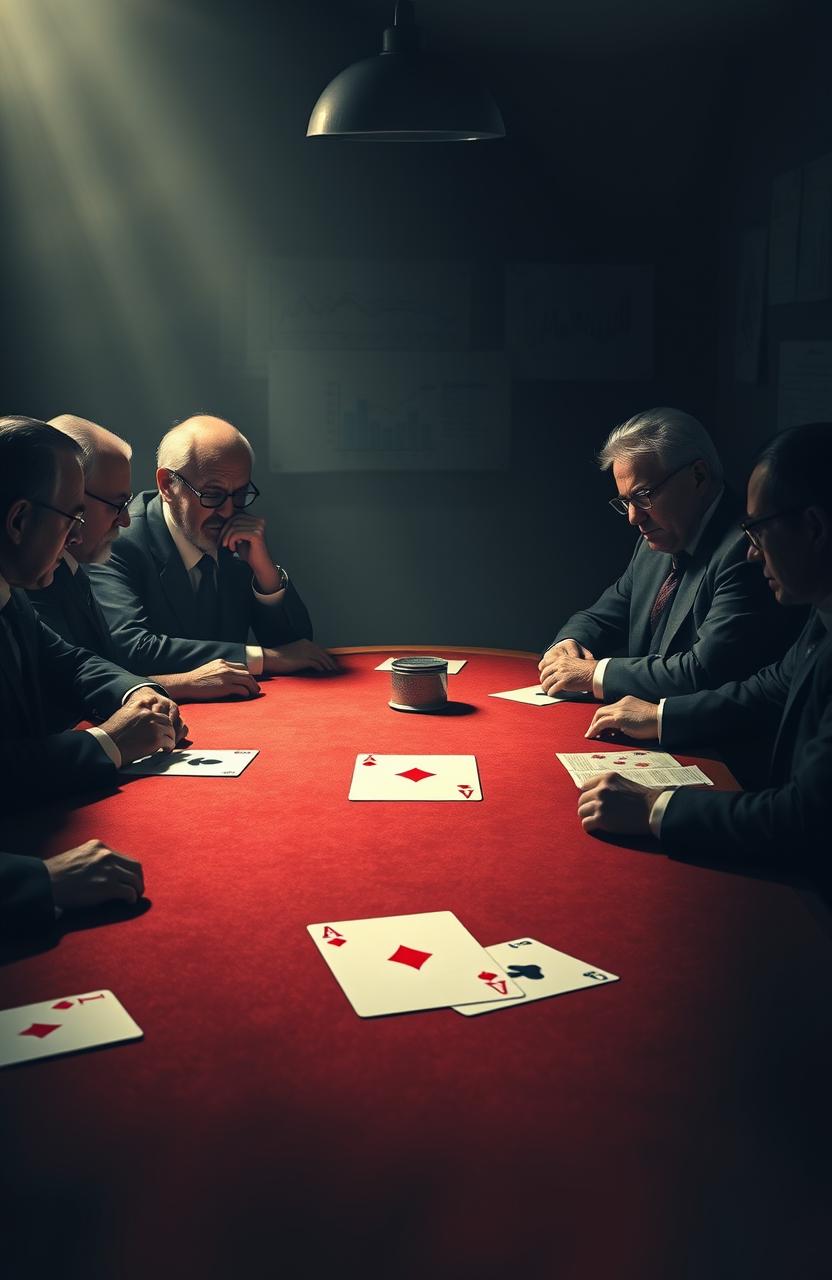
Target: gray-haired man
689	612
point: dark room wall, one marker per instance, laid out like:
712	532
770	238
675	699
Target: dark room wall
782	120
153	151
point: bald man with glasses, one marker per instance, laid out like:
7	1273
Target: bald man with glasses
192	576
689	612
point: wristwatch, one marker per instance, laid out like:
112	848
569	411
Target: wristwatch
284	577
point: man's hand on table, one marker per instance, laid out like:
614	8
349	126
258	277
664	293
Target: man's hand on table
609	802
632	716
93	873
146	723
212	681
298	655
568	667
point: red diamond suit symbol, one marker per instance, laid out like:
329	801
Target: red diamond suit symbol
416	774
41	1029
407	955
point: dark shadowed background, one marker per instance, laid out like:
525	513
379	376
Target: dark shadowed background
152	148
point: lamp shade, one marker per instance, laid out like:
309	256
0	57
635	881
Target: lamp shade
404	95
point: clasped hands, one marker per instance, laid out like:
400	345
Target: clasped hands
568	667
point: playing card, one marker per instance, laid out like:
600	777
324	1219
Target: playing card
455	665
64	1026
540	971
397	964
192	764
377	777
532	694
651	768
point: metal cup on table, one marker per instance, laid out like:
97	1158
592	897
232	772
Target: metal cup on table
419	684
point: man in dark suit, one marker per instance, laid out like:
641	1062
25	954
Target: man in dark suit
69	606
41	505
689	612
789	526
193	573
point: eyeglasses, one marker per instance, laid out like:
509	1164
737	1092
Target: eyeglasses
212	498
74	516
118	507
748	526
643	498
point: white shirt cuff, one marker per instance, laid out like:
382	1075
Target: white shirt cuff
145	684
272	597
598	679
254	657
659	714
657	812
105	741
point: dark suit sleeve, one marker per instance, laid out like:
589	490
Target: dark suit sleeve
26	903
743	629
99	685
277	624
785	826
741	709
60	764
123	589
603	628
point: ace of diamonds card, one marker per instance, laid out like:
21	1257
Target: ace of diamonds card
415	777
398	964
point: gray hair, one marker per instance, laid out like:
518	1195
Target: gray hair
178	446
673	436
90	437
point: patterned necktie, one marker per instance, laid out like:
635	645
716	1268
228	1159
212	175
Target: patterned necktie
206	599
667	591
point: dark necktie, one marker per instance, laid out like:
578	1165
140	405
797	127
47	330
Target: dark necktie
206	599
667	591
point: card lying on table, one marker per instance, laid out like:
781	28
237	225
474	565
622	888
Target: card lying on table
398	964
455	665
533	694
540	971
651	768
377	777
191	764
64	1026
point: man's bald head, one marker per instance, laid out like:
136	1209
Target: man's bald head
201	441
107	485
93	439
203	474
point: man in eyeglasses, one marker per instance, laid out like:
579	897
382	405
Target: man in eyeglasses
689	612
789	528
41	511
69	606
193	572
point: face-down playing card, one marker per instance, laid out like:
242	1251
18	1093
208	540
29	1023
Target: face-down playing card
541	971
415	777
398	964
64	1025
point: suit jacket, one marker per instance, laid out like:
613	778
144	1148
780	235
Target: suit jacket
723	622
786	823
69	607
35	763
26	903
149	605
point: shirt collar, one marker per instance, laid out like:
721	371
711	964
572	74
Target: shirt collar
691	546
70	562
188	553
5	593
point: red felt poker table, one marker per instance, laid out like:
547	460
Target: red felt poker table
675	1124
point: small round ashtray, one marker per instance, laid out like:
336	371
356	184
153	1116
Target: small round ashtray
419	684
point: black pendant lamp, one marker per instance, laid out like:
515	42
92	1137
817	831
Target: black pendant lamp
403	95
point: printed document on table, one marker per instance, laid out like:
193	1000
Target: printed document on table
651	768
